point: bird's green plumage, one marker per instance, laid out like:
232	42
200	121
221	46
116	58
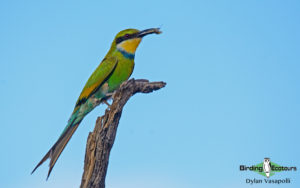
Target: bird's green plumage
96	80
114	69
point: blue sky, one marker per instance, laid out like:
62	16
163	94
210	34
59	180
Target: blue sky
232	97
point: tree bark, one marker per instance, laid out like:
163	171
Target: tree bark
101	140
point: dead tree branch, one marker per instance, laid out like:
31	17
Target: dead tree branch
101	140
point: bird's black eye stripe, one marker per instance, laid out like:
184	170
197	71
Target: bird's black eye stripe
119	40
125	37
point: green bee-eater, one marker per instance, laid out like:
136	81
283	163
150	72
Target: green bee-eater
115	68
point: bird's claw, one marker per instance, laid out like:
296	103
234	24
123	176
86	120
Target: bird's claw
105	101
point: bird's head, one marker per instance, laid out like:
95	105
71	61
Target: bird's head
267	160
128	40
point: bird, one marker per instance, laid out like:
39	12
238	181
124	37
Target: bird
267	167
116	67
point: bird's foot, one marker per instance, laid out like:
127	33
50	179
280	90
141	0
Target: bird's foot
109	95
105	101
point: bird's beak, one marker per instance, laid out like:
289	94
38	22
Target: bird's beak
148	31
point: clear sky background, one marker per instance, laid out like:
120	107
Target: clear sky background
232	97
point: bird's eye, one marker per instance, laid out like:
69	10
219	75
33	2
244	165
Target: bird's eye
127	36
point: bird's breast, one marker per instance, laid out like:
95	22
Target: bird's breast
121	73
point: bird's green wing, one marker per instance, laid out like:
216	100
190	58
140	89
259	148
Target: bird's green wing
99	76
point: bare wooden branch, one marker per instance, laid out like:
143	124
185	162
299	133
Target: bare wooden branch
101	140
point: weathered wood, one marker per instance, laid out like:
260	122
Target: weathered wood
101	140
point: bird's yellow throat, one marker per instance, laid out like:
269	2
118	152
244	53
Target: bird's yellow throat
130	45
